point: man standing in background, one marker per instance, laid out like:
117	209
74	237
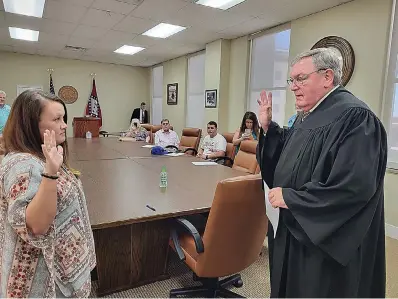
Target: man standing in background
4	111
141	114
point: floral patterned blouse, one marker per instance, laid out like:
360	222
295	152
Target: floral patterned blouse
57	264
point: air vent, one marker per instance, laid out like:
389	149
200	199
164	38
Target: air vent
75	49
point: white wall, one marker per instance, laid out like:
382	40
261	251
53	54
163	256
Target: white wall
120	88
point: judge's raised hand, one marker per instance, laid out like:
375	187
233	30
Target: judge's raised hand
265	109
53	153
275	198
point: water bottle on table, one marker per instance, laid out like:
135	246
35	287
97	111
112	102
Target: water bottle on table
163	178
88	135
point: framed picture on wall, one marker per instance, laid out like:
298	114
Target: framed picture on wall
22	88
172	94
211	98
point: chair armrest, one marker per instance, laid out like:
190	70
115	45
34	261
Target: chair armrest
225	159
195	152
188	226
177	246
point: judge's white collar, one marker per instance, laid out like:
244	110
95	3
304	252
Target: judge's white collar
321	100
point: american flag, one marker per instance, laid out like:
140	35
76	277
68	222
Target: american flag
93	107
51	85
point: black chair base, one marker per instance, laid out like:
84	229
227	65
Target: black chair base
211	288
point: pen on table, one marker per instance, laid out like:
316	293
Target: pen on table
151	208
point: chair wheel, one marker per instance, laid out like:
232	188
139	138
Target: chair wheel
238	283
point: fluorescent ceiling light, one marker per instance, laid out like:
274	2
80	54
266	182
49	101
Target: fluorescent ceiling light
128	50
164	30
32	8
24	34
221	4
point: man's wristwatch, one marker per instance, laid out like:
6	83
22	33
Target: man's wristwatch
206	157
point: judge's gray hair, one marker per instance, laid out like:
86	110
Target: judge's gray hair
3	92
324	58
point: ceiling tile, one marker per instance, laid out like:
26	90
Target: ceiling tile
55	27
145	41
80	42
46	52
50	46
254	7
205	17
2	19
52	41
62	11
89	32
114	6
135	25
149	62
127	59
83	3
100	18
51	38
20	21
95	52
89	58
6	48
70	54
5	38
195	35
27	49
251	26
103	32
149	9
112	40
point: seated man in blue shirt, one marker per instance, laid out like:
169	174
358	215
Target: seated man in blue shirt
4	111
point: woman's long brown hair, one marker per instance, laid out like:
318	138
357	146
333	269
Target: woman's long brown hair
21	133
253	117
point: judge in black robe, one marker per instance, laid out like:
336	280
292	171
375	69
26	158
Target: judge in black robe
330	240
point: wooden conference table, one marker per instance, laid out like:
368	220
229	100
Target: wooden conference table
120	180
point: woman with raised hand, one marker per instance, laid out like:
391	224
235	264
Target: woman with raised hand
46	242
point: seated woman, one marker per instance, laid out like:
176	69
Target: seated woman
248	130
136	132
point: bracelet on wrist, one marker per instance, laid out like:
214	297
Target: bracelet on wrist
48	176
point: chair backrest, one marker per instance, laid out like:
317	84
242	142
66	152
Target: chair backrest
190	138
147	127
236	227
230	152
245	160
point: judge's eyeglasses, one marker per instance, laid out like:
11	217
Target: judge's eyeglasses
300	79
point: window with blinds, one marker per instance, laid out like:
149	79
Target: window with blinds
269	71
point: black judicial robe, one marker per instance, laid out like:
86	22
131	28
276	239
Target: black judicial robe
331	241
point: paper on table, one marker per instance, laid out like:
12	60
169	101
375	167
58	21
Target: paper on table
272	213
204	163
148	145
175	154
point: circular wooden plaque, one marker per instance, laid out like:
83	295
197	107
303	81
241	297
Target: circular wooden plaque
344	48
68	94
